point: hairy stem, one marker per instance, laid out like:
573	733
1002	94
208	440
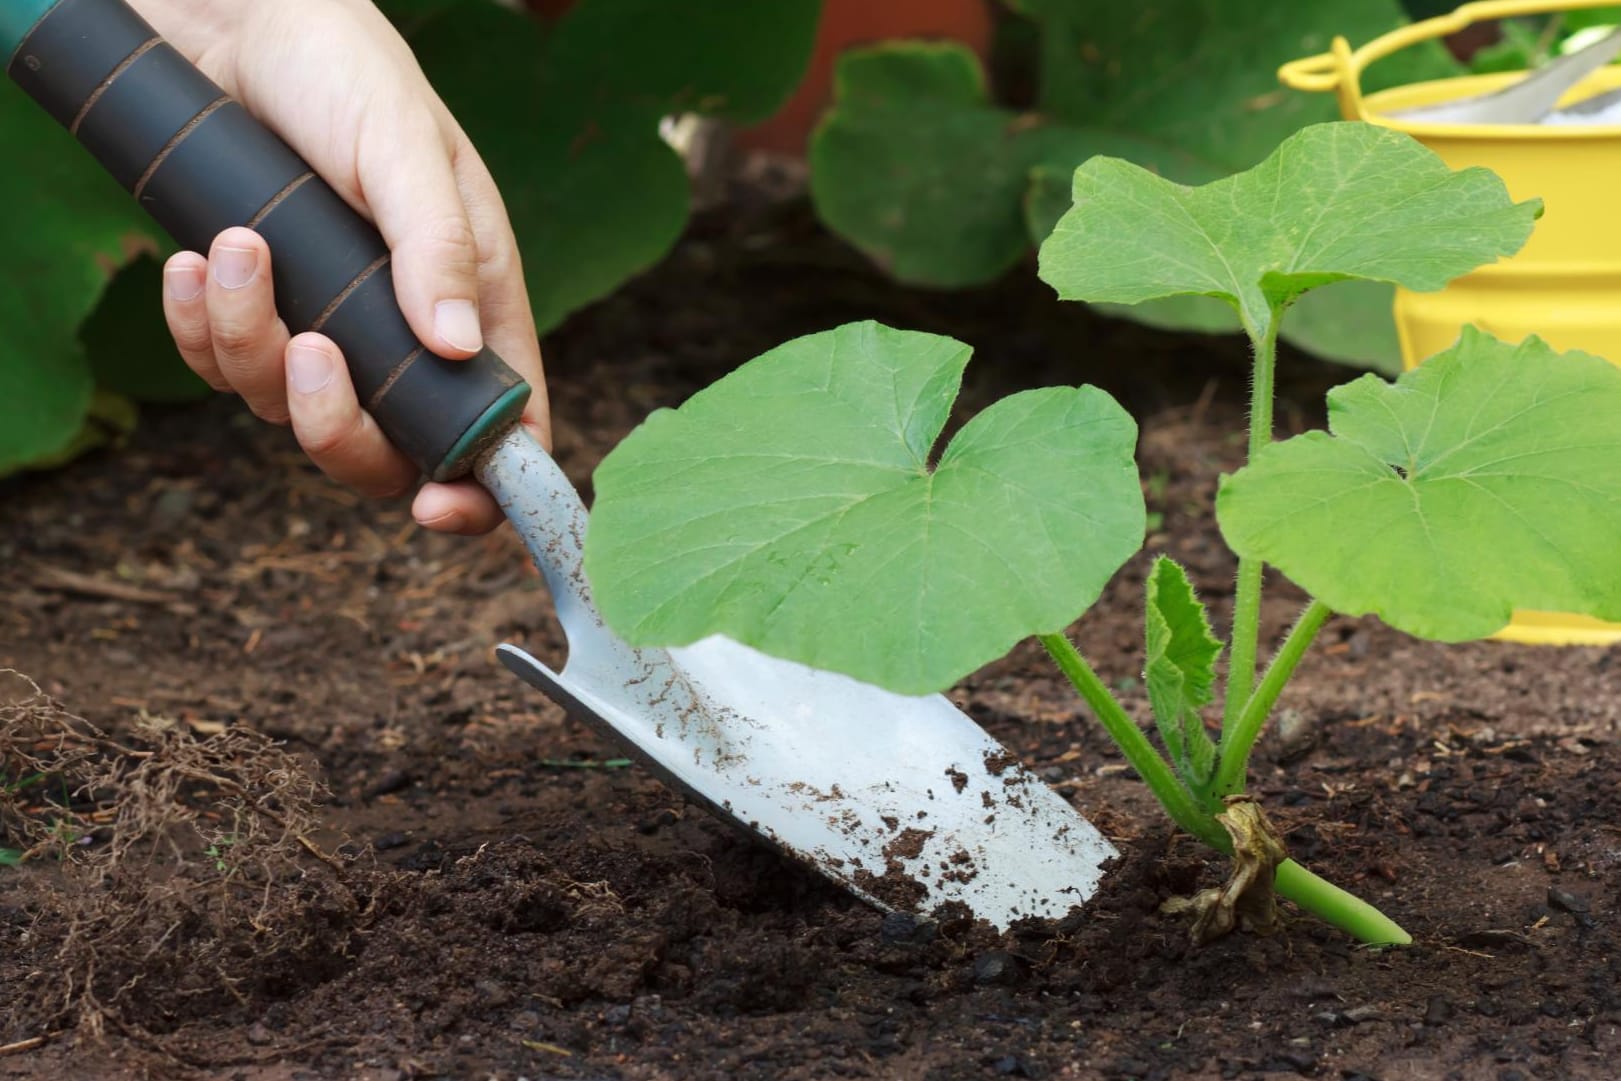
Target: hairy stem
1327	901
1238	737
1153	769
1247	602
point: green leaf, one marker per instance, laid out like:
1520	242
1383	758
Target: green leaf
1572	21
567	120
108	421
1197	81
1049	199
1521	46
1180	669
1486	480
793	507
127	341
1335	201
69	227
917	168
1350	323
920	169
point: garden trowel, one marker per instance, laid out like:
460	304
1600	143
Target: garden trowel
904	801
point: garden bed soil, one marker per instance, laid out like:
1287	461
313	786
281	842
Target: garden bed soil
514	902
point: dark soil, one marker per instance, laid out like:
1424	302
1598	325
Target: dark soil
511	901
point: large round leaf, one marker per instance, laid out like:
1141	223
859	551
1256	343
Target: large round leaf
1485	480
792	506
567	116
919	170
70	227
127	340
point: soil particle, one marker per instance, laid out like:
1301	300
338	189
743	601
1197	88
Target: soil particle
959	868
894	888
1356	1015
1014	1066
959	779
997	762
1565	901
1438	1011
909	845
389	782
900	928
997	967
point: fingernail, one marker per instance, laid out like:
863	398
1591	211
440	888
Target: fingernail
234	267
183	282
448	522
308	370
456	322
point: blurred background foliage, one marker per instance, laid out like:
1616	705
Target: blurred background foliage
565	110
948	176
945	161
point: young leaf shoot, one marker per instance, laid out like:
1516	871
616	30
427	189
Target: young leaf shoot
1179	671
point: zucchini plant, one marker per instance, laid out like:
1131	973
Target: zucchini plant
797	505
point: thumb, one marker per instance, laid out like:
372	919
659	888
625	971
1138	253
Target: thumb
409	183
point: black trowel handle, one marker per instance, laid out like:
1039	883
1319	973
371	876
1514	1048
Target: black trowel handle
198	163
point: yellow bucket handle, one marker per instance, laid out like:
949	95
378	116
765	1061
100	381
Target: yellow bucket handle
1340	69
1315	74
1335	70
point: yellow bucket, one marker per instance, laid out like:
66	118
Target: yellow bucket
1565	284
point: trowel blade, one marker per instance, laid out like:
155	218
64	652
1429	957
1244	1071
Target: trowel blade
903	800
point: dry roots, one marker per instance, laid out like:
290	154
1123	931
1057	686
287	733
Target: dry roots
169	873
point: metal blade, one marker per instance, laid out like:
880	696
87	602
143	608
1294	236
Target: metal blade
1589	110
903	800
1530	99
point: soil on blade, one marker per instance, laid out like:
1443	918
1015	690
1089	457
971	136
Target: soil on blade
519	902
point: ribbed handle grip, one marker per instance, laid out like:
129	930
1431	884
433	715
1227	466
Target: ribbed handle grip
198	163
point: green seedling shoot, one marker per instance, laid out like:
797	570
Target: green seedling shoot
798	505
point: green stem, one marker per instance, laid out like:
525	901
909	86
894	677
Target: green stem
1349	913
1134	745
1239	737
1247	602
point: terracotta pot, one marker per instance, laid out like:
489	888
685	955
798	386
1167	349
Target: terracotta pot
849	23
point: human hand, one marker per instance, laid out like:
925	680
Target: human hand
334	79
